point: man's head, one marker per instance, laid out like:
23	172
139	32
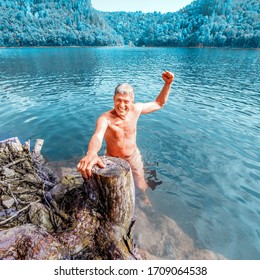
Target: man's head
123	99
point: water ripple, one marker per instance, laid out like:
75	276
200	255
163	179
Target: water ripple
203	145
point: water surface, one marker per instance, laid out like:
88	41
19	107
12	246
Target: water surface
201	150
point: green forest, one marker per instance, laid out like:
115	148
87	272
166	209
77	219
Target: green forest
203	23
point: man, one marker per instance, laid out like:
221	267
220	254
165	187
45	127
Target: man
118	128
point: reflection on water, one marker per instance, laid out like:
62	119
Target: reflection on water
201	151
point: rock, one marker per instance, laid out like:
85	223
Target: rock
13	143
58	192
31	178
8	173
28	242
7	201
159	237
39	215
70	181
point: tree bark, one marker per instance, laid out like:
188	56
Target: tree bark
111	190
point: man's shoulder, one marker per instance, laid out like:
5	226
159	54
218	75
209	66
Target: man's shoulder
138	106
106	116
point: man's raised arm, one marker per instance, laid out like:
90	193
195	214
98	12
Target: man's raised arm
87	162
162	98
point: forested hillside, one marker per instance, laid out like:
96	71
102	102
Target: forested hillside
53	23
232	23
203	23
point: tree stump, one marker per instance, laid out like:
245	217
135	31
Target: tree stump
112	192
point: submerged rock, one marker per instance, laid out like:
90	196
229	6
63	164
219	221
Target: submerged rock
159	237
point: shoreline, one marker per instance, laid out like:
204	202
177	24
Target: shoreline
127	47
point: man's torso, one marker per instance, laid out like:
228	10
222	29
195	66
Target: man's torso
120	135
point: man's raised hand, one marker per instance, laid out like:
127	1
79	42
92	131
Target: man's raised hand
168	77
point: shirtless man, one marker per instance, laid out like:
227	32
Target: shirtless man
118	128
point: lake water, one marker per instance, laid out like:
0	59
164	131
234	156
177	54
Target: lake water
201	149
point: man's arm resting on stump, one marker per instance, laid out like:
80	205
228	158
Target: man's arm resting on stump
87	162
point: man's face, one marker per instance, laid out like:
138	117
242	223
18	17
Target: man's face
123	103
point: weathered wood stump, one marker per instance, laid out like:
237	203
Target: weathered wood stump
92	220
112	192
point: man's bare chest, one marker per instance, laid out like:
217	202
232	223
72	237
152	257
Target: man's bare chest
122	129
